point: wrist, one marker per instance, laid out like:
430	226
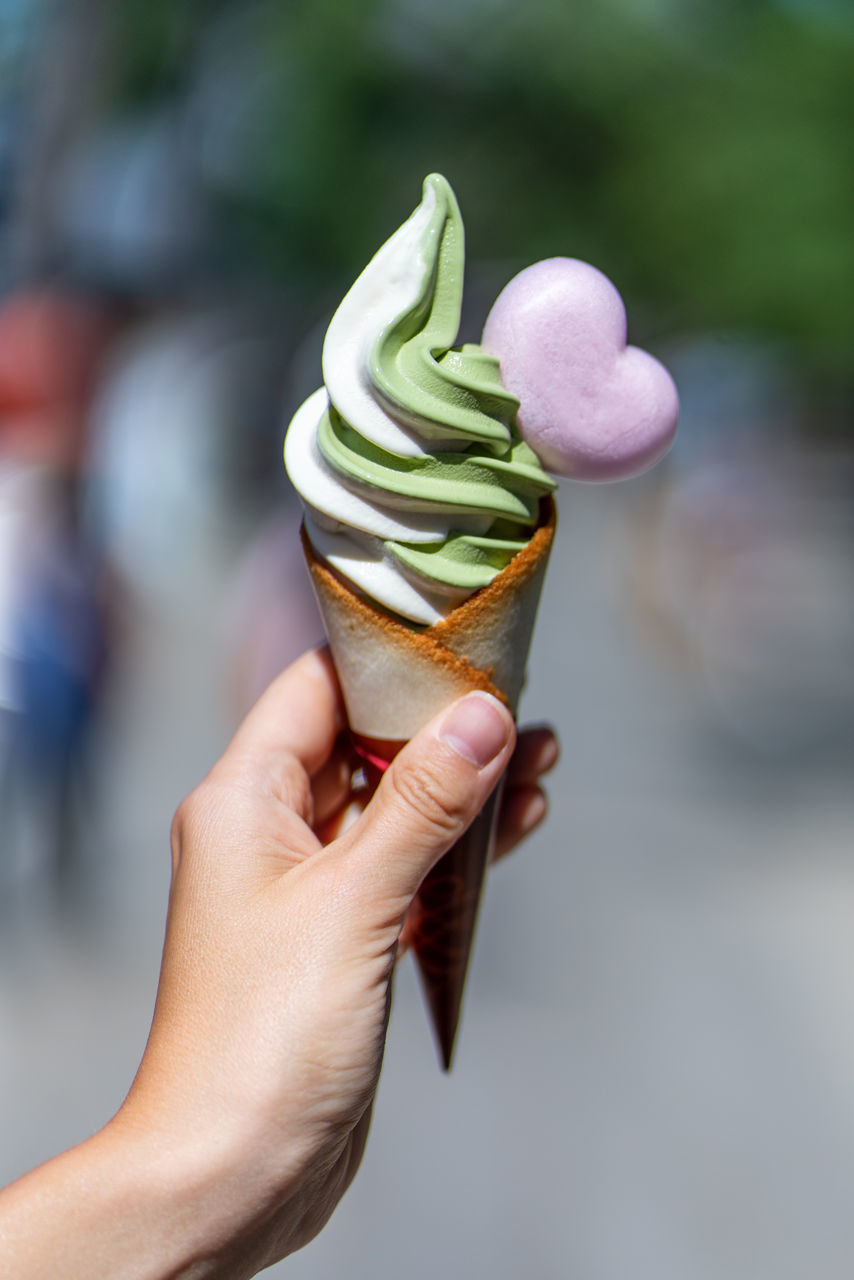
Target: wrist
133	1203
217	1180
198	1193
171	1191
106	1207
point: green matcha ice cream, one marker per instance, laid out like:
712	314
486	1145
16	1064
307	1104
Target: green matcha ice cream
417	485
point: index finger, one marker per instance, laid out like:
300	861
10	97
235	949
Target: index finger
298	718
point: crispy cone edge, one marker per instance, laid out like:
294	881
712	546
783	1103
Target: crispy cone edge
482	644
393	680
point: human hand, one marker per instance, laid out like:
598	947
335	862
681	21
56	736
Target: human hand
250	1110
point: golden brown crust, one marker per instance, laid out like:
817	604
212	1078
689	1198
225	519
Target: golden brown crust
518	572
394	677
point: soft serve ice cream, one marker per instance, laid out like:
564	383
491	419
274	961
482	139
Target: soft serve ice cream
428	516
417	485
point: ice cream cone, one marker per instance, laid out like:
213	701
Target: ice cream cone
394	679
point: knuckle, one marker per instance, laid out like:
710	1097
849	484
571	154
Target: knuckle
293	787
181	821
430	794
193	816
186	818
279	775
203	823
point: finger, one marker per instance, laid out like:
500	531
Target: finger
428	796
290	733
537	751
300	712
523	809
342	819
332	785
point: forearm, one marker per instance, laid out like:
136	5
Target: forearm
123	1206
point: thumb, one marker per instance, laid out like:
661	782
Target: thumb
428	796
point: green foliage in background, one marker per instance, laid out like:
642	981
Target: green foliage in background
700	153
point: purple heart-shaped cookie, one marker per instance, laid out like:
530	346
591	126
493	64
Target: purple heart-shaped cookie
589	406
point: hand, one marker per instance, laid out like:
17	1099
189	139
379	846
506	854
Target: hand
250	1110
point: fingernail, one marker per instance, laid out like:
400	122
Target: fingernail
477	728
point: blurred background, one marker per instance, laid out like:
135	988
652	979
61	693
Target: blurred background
655	1072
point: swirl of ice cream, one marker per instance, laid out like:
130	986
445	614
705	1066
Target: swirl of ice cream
417	486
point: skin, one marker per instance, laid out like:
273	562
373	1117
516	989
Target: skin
249	1114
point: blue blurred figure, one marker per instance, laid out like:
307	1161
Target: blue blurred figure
52	635
58	661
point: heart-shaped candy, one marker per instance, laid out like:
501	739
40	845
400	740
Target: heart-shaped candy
589	406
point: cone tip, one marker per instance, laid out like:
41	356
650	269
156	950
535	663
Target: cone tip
446	1046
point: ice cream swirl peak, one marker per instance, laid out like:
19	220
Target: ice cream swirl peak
417	486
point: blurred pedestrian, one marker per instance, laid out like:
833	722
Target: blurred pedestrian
57	640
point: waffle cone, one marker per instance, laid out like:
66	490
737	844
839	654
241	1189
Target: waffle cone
394	679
